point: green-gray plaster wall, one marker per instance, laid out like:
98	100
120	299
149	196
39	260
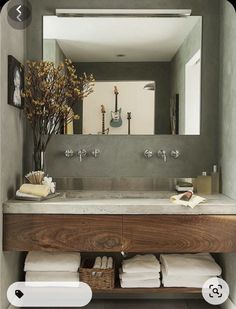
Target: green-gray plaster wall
227	145
187	50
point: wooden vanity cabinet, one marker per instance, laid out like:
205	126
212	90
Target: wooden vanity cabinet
179	234
116	233
87	233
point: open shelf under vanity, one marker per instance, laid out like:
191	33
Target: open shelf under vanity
161	290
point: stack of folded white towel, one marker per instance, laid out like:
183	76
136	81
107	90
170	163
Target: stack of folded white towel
188	270
141	271
52	266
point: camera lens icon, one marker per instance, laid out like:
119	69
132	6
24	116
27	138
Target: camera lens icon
215	291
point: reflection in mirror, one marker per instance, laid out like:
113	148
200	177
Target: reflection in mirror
127	97
154	63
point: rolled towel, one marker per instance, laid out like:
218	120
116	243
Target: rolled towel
201	264
183	281
138	276
153	283
38	190
52	261
104	262
98	262
141	263
45	276
110	263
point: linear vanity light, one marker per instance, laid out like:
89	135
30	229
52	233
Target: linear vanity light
122	13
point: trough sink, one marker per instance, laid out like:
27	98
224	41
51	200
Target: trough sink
98	195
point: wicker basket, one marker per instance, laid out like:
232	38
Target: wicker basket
96	278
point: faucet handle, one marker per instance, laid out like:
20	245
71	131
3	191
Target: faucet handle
175	154
96	153
148	154
69	153
82	153
162	154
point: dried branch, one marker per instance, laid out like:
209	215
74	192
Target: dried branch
50	94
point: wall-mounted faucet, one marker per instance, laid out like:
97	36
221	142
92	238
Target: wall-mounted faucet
69	153
162	155
175	154
148	154
82	153
95	153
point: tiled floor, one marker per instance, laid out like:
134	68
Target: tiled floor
149	304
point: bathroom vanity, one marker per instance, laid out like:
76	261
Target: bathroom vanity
114	222
126	224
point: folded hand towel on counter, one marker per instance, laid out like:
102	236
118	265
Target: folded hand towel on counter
20	194
193	202
38	190
52	261
153	283
45	276
184	281
141	263
200	264
138	276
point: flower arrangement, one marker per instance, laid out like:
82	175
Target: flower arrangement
49	96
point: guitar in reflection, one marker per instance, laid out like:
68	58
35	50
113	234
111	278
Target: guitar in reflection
129	119
104	129
116	120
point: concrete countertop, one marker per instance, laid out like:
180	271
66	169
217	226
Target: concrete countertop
119	203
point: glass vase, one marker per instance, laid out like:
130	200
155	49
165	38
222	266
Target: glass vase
39	159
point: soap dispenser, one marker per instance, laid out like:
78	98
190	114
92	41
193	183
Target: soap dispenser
204	184
215	180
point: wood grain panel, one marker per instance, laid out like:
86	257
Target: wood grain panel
161	290
179	233
62	233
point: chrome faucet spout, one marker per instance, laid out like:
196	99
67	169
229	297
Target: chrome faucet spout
82	153
162	155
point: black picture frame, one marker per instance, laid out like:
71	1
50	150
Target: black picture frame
15	82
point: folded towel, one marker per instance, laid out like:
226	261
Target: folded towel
183	281
38	190
138	276
98	262
52	261
153	283
45	276
20	194
193	202
141	263
200	264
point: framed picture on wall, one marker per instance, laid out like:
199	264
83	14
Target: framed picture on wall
15	82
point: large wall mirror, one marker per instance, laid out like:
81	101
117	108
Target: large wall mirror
147	72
